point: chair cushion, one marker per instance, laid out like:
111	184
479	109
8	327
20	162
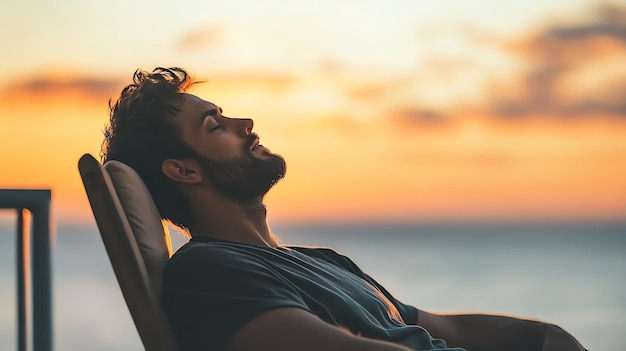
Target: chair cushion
150	233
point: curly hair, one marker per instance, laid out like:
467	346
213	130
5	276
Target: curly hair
141	134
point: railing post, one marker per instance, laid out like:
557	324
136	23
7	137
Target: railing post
23	278
33	249
41	277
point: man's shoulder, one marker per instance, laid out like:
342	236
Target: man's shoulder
317	251
195	248
225	257
210	255
329	255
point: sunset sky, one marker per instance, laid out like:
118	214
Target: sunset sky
384	110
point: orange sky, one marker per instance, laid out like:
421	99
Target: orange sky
529	125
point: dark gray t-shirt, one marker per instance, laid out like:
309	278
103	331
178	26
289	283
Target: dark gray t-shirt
211	288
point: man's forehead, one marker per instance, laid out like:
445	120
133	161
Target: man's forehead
192	102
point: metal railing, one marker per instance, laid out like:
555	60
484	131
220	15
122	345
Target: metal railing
34	278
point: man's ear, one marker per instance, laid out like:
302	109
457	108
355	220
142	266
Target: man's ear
182	171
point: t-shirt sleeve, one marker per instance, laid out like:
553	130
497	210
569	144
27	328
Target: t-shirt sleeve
210	293
409	313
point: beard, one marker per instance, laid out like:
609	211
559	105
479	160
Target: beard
246	178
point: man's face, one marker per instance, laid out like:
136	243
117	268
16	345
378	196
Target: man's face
228	151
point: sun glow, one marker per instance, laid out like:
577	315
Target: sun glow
383	118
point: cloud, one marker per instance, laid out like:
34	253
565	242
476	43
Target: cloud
409	118
573	69
47	87
200	38
606	20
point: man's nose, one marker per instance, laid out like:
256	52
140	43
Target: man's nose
246	125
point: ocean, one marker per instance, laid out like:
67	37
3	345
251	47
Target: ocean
568	274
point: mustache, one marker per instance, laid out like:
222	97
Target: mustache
250	139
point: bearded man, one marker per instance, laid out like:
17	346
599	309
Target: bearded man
233	286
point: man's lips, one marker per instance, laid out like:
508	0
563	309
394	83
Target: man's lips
255	144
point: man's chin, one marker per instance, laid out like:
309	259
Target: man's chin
262	152
246	179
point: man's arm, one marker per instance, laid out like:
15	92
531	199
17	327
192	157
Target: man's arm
497	333
288	329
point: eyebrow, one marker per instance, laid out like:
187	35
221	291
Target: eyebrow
211	112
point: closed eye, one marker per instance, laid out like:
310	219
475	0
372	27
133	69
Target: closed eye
215	128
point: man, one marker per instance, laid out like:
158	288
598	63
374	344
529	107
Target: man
233	286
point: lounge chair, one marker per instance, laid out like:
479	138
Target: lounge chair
136	240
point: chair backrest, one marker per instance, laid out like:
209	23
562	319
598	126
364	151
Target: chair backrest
136	240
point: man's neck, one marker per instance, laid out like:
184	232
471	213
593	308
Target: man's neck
244	222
